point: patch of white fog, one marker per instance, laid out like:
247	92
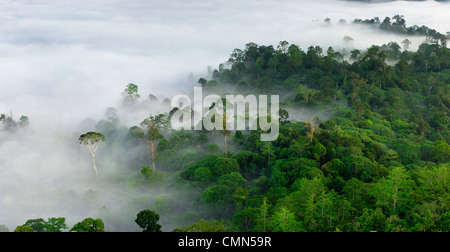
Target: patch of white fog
64	61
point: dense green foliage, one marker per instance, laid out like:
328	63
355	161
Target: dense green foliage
380	162
363	145
89	225
147	220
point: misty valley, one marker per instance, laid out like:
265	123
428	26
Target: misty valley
362	145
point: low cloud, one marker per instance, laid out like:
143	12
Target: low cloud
65	61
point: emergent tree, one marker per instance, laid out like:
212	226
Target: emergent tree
92	140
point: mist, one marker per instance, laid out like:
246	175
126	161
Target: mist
63	63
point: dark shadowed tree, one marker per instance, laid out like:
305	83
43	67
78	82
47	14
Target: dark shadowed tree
147	220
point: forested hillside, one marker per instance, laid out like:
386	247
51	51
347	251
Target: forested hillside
363	146
380	162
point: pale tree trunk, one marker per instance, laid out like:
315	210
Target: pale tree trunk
93	149
95	167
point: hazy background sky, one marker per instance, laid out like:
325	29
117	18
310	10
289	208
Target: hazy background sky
79	55
63	61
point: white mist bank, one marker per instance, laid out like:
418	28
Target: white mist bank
64	61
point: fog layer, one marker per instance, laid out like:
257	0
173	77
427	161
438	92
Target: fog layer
64	61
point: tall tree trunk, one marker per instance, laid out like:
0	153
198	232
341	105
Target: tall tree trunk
95	167
93	149
153	155
226	146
